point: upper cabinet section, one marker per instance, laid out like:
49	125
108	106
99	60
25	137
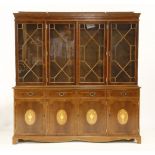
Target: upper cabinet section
76	48
30	53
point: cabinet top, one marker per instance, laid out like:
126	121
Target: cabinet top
77	16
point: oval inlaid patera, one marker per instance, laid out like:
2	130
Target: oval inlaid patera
30	117
122	116
91	117
61	117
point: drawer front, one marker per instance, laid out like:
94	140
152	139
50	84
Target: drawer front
123	93
92	93
60	93
28	93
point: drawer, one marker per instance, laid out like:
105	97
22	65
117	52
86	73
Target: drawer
123	93
60	93
28	93
91	93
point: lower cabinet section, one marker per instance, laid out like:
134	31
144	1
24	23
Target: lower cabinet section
123	117
92	118
29	117
61	117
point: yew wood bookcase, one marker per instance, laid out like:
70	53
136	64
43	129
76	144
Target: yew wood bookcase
76	76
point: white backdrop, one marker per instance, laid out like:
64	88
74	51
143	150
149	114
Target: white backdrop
146	49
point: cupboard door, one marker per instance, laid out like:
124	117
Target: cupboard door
92	52
123	54
29	117
61	53
92	117
29	55
61	117
122	117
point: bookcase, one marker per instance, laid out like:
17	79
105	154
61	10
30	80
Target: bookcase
76	77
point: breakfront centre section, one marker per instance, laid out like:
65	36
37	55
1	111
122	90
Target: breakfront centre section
76	77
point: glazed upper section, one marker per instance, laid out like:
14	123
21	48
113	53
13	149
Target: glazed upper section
76	48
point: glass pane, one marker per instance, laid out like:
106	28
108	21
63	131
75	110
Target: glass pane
123	52
62	53
30	48
91	52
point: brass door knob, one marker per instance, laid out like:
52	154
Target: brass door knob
30	93
61	93
92	94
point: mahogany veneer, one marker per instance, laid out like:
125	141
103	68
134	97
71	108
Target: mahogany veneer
76	77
